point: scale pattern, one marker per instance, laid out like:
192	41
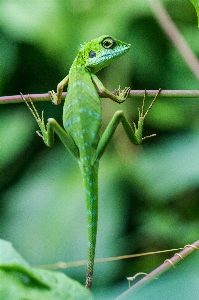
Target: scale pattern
83	107
82	118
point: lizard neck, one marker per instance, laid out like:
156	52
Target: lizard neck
79	60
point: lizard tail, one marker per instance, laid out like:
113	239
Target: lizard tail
90	175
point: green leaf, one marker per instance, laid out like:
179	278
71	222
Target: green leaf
21	281
196	5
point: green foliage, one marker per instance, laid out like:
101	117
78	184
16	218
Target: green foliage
196	5
20	281
148	195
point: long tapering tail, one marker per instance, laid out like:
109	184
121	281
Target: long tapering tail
90	176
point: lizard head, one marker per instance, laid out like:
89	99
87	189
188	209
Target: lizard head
100	52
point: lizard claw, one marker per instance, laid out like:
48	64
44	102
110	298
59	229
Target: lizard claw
53	97
122	95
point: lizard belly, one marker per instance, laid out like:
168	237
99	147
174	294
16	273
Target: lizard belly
82	115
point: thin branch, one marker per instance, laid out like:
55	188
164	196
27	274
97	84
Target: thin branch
66	265
19	99
133	94
169	263
175	36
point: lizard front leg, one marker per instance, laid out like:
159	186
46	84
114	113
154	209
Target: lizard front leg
56	98
119	96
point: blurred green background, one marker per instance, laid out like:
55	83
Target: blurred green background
148	194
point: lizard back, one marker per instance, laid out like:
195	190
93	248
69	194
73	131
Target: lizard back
82	115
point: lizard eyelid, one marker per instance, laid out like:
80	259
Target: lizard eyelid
108	43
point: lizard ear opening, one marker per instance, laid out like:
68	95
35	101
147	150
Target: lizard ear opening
92	54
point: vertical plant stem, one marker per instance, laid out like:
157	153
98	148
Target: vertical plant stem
175	36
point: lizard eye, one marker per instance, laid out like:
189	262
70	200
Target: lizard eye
92	54
108	43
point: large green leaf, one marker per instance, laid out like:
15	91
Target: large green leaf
196	5
21	281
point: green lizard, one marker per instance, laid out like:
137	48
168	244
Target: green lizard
82	118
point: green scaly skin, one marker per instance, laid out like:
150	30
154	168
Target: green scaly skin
82	118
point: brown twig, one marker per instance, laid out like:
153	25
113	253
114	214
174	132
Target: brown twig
133	94
169	263
175	36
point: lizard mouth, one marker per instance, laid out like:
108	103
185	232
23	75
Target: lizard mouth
96	62
113	54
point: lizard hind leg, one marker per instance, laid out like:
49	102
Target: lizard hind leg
150	106
45	134
47	131
133	133
143	115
